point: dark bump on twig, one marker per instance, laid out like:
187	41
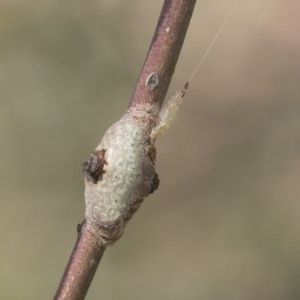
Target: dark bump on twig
152	81
79	227
93	167
154	184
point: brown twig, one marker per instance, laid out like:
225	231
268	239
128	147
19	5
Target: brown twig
151	89
164	51
82	265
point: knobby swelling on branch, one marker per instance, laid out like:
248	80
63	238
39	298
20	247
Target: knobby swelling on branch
120	172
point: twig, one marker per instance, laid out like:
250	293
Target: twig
120	172
164	50
82	265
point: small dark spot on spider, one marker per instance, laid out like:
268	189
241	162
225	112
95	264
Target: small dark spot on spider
154	183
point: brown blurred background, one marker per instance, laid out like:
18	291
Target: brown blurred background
224	223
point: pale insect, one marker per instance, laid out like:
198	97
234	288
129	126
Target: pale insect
171	107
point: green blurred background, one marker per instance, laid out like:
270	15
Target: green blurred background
224	223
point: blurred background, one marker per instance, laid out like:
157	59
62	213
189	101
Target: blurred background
224	223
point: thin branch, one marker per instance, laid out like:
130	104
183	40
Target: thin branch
164	52
110	204
82	265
